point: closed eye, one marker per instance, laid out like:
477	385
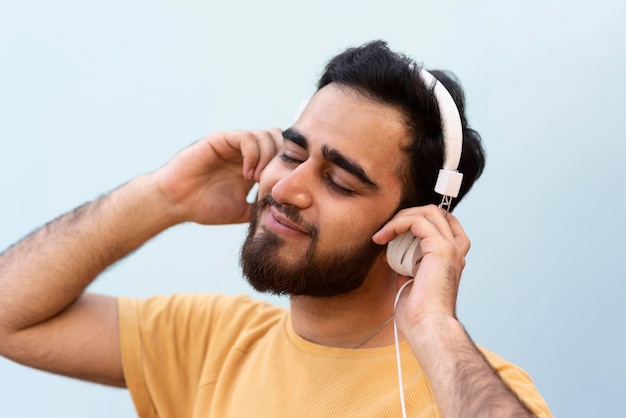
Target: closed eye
327	177
288	159
337	188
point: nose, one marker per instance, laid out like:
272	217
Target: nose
295	188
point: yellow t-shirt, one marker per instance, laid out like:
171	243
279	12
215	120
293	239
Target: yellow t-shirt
226	356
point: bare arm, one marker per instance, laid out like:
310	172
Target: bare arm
47	322
44	274
463	382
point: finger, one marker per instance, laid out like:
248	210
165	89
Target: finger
250	152
266	142
438	217
418	224
411	220
459	233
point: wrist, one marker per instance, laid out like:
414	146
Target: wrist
435	332
144	198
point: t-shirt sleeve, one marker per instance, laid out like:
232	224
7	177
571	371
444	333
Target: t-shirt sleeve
520	383
167	341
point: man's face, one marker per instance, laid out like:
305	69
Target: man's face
330	188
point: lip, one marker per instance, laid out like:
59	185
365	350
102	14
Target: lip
279	223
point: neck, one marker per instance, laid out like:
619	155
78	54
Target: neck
348	320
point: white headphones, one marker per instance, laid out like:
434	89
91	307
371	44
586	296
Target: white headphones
449	179
403	253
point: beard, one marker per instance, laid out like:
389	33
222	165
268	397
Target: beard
338	271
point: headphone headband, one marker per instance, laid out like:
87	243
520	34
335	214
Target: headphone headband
449	179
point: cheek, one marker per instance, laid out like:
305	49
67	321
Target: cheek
357	222
347	225
270	175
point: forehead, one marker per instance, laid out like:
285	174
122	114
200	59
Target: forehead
360	128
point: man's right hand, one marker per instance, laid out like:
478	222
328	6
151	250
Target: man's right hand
208	182
47	321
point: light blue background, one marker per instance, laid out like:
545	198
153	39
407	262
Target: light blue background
93	95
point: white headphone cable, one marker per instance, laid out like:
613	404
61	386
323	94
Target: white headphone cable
399	363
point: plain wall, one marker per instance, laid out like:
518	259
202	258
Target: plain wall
92	95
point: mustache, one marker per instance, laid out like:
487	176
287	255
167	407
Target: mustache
290	212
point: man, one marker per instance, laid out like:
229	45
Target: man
356	170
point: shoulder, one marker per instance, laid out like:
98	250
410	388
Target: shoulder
519	381
499	363
187	313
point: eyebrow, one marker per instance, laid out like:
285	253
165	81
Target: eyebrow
297	138
333	156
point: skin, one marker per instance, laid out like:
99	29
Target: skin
337	126
49	323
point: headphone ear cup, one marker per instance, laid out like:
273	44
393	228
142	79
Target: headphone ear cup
404	254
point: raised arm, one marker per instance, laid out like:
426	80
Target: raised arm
463	382
47	321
